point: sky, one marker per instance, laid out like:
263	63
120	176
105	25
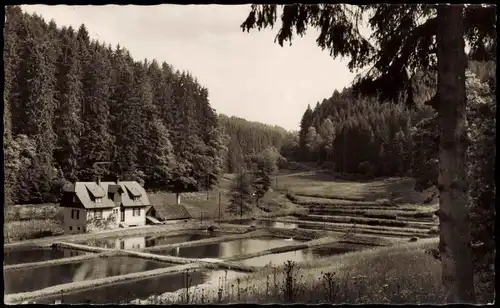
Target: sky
247	74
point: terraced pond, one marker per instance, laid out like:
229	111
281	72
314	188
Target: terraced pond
139	289
31	279
227	249
28	255
140	242
22	280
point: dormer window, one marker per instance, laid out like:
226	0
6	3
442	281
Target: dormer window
98	200
136	199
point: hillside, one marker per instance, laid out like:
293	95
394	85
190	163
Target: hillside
71	101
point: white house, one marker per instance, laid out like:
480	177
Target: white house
97	205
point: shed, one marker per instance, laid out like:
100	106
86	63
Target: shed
165	212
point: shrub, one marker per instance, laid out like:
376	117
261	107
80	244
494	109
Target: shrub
366	168
481	132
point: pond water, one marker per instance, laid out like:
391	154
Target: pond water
269	223
25	280
304	255
140	242
229	248
28	255
139	289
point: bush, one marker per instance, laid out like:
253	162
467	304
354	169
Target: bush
481	132
366	168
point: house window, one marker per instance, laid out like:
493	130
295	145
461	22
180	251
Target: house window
70	228
78	228
115	211
75	214
136	212
98	200
74	198
98	214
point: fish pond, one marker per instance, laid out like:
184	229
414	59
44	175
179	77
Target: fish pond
31	279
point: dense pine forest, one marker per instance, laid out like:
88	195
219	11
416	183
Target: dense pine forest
375	138
71	101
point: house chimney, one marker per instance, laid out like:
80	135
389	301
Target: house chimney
117	179
178	199
98	180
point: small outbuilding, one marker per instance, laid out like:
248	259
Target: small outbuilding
160	213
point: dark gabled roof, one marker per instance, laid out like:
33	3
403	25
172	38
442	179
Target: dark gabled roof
84	191
113	188
171	211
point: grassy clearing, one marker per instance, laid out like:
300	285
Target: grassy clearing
398	274
205	206
325	185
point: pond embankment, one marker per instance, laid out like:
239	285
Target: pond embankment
121	232
161	258
59	261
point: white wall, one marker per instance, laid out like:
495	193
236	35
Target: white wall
135	220
81	222
106	213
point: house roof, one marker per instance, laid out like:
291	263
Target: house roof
170	211
136	191
96	190
113	188
84	190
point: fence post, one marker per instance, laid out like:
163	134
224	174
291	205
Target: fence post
219	208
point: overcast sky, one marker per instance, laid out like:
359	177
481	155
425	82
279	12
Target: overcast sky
247	74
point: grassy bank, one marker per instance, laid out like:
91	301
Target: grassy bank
398	274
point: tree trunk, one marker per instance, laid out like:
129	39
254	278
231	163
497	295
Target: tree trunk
455	227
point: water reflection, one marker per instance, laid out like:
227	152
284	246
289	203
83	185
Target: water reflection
29	255
228	249
139	289
310	254
269	223
280	258
140	242
25	280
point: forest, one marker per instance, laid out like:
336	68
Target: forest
373	137
71	101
